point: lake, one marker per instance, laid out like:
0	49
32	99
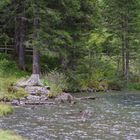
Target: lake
113	116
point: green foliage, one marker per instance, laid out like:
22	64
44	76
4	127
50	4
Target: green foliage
9	68
9	74
4	3
57	82
94	72
5	110
134	86
8	135
16	93
82	39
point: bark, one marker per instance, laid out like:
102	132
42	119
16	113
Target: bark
21	45
123	55
36	52
36	61
34	80
20	24
125	48
127	51
16	37
127	62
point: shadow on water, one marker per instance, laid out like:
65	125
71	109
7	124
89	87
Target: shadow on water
110	116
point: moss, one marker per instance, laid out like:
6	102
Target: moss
5	109
8	135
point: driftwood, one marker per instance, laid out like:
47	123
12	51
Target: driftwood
39	103
86	98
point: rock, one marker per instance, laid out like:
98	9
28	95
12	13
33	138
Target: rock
85	114
33	98
22	102
43	98
65	97
36	90
15	102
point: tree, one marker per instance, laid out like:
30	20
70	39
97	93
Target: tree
120	17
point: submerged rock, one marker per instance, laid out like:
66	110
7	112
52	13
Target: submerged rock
85	114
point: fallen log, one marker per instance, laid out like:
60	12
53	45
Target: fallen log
86	98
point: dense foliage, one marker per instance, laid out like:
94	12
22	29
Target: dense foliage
87	45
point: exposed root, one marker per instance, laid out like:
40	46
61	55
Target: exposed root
34	80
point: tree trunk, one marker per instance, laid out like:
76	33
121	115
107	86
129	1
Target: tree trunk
123	55
36	61
16	37
21	56
127	62
125	49
20	24
35	77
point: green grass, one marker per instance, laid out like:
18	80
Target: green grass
8	135
5	109
9	75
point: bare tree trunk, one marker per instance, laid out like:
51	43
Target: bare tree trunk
36	61
20	24
21	56
35	77
16	37
123	54
127	62
125	47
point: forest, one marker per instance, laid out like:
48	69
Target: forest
51	48
88	45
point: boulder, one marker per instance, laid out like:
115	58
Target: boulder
33	98
37	90
15	102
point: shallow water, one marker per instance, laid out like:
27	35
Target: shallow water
114	116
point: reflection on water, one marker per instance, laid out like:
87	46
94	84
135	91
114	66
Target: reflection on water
113	116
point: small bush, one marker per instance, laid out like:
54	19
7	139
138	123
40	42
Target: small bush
57	82
5	109
9	74
8	135
7	90
116	84
134	86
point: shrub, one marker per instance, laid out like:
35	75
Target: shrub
57	82
9	74
134	86
116	83
5	109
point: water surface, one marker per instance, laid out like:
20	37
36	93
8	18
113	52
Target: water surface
114	116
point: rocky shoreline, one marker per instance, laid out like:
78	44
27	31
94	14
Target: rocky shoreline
43	99
38	95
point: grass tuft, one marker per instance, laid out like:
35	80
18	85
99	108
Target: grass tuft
8	135
5	109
